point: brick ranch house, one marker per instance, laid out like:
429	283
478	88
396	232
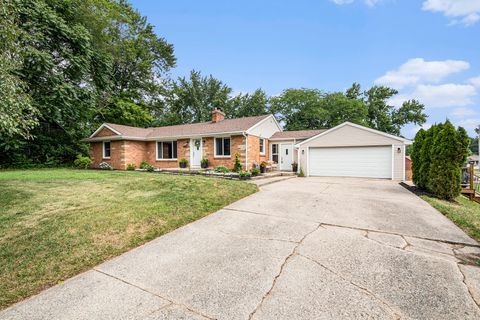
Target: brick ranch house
345	150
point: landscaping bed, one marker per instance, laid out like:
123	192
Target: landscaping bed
56	223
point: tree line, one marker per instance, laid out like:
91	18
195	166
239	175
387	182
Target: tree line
68	66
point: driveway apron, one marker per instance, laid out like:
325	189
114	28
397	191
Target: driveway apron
311	248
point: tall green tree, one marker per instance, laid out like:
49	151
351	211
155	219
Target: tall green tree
385	117
449	153
474	145
313	109
299	109
418	176
18	116
192	99
248	104
78	58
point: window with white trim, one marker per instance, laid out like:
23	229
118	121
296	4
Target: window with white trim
106	149
222	147
166	150
262	146
275	152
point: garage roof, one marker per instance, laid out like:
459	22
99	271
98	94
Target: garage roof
406	141
297	134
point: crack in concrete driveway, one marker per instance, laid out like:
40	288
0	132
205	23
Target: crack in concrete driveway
311	248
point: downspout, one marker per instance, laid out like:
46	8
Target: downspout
293	150
246	150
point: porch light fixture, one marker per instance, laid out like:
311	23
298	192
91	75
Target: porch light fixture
399	150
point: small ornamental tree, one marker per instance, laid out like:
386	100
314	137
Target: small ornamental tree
237	165
445	172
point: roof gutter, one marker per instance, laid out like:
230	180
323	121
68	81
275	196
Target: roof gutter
159	138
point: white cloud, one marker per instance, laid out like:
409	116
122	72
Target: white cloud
459	11
463	112
469	124
417	70
475	81
372	3
341	2
439	96
445	95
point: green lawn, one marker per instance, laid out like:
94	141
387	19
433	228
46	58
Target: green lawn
57	223
463	212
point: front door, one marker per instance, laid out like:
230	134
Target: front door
195	152
286	157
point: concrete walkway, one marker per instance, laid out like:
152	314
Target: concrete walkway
314	248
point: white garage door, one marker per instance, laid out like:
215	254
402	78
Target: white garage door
370	162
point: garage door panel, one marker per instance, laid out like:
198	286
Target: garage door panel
370	162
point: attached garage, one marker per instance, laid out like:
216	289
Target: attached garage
351	150
371	162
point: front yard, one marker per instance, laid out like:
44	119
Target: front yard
463	212
57	223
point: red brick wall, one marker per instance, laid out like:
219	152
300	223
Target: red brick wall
183	151
408	169
126	152
135	152
237	145
117	154
254	151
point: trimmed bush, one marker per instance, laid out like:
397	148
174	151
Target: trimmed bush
221	169
244	175
301	174
144	165
438	155
255	171
82	162
131	167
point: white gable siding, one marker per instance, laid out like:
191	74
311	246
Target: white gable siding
350	136
398	162
265	129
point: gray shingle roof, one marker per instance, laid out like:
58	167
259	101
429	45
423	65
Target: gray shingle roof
298	134
192	129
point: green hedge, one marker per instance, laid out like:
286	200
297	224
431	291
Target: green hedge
438	155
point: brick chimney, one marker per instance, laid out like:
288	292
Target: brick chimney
217	115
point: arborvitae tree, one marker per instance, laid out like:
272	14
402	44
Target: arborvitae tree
464	141
424	157
445	168
416	152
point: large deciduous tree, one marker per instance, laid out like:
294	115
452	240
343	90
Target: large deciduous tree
313	109
77	59
248	104
192	99
18	116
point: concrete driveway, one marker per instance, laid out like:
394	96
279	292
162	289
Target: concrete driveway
314	248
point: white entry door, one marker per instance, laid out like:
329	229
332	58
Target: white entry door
286	157
195	152
368	162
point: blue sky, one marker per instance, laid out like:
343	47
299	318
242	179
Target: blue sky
427	49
